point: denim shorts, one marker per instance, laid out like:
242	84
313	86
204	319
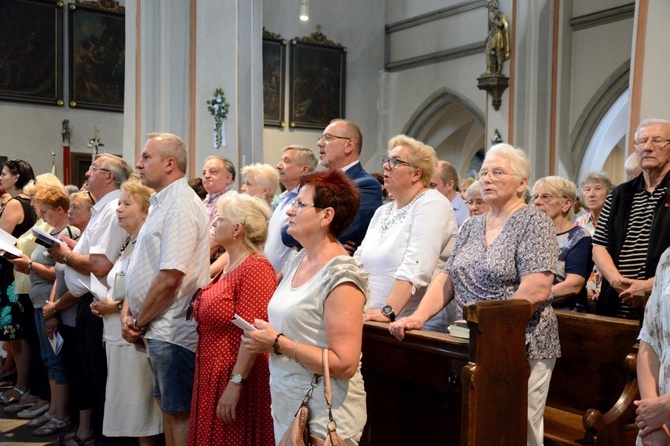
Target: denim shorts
173	369
55	365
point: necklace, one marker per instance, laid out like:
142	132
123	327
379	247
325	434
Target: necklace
237	262
501	220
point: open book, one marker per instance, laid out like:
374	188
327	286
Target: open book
7	248
44	238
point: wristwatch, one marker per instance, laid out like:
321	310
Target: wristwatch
119	305
387	311
236	379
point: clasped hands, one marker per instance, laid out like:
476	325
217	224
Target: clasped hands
629	288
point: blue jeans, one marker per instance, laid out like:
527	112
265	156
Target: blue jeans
173	368
55	364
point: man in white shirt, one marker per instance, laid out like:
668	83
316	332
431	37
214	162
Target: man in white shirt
295	161
170	262
95	252
445	180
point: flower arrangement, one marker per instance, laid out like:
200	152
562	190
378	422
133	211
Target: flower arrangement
94	143
218	107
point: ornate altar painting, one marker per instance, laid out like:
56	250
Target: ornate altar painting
274	77
31	51
97	57
318	74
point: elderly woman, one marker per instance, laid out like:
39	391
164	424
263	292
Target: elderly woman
509	253
475	201
555	196
260	180
318	305
594	188
17	326
653	361
231	393
407	238
51	203
127	414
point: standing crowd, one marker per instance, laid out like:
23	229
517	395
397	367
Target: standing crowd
133	324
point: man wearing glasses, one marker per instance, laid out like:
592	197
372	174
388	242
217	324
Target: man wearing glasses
340	148
632	229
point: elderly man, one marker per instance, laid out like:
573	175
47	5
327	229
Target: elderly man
94	253
295	161
169	264
632	230
218	178
445	180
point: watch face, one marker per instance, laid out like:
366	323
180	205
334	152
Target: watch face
386	310
237	379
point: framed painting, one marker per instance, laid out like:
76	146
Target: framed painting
31	51
318	77
274	79
97	50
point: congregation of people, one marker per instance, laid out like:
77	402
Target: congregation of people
128	328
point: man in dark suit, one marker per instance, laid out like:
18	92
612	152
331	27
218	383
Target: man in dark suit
340	148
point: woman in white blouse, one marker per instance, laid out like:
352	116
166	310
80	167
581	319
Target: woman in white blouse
409	238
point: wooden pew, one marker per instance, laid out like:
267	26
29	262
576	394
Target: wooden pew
434	389
594	382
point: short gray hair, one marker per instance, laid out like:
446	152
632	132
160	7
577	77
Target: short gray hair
651	121
517	158
227	164
559	186
119	168
172	146
265	175
595	176
305	156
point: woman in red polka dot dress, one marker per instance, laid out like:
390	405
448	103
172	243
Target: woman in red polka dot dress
231	393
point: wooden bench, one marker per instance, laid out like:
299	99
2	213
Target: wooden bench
435	389
594	382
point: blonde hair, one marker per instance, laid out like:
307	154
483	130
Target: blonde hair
421	156
252	212
84	198
42	180
559	186
265	175
139	192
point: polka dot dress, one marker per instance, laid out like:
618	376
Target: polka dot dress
246	290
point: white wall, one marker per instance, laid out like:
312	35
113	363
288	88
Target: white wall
362	33
30	131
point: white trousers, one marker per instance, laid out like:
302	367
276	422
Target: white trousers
538	389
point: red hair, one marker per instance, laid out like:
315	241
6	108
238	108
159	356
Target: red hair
333	189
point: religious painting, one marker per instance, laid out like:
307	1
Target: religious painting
318	74
31	51
274	77
97	55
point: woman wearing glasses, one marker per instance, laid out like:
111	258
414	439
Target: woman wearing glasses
231	394
555	196
508	253
475	201
319	304
407	237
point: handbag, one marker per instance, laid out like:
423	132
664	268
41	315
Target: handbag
298	433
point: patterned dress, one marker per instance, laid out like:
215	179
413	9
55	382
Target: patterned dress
526	245
656	326
246	290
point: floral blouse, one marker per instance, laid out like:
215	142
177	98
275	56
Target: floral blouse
526	245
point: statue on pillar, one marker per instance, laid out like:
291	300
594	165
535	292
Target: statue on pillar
497	41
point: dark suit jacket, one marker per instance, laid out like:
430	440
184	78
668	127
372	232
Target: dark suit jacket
371	199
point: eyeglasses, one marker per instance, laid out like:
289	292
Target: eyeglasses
91	196
392	163
658	142
299	205
96	168
477	203
327	137
495	174
545	198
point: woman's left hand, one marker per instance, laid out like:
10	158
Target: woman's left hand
21	263
651	415
225	409
260	340
103	307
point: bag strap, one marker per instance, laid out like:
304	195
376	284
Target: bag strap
327	393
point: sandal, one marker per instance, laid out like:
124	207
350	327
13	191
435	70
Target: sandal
23	394
39	421
53	427
63	438
88	441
